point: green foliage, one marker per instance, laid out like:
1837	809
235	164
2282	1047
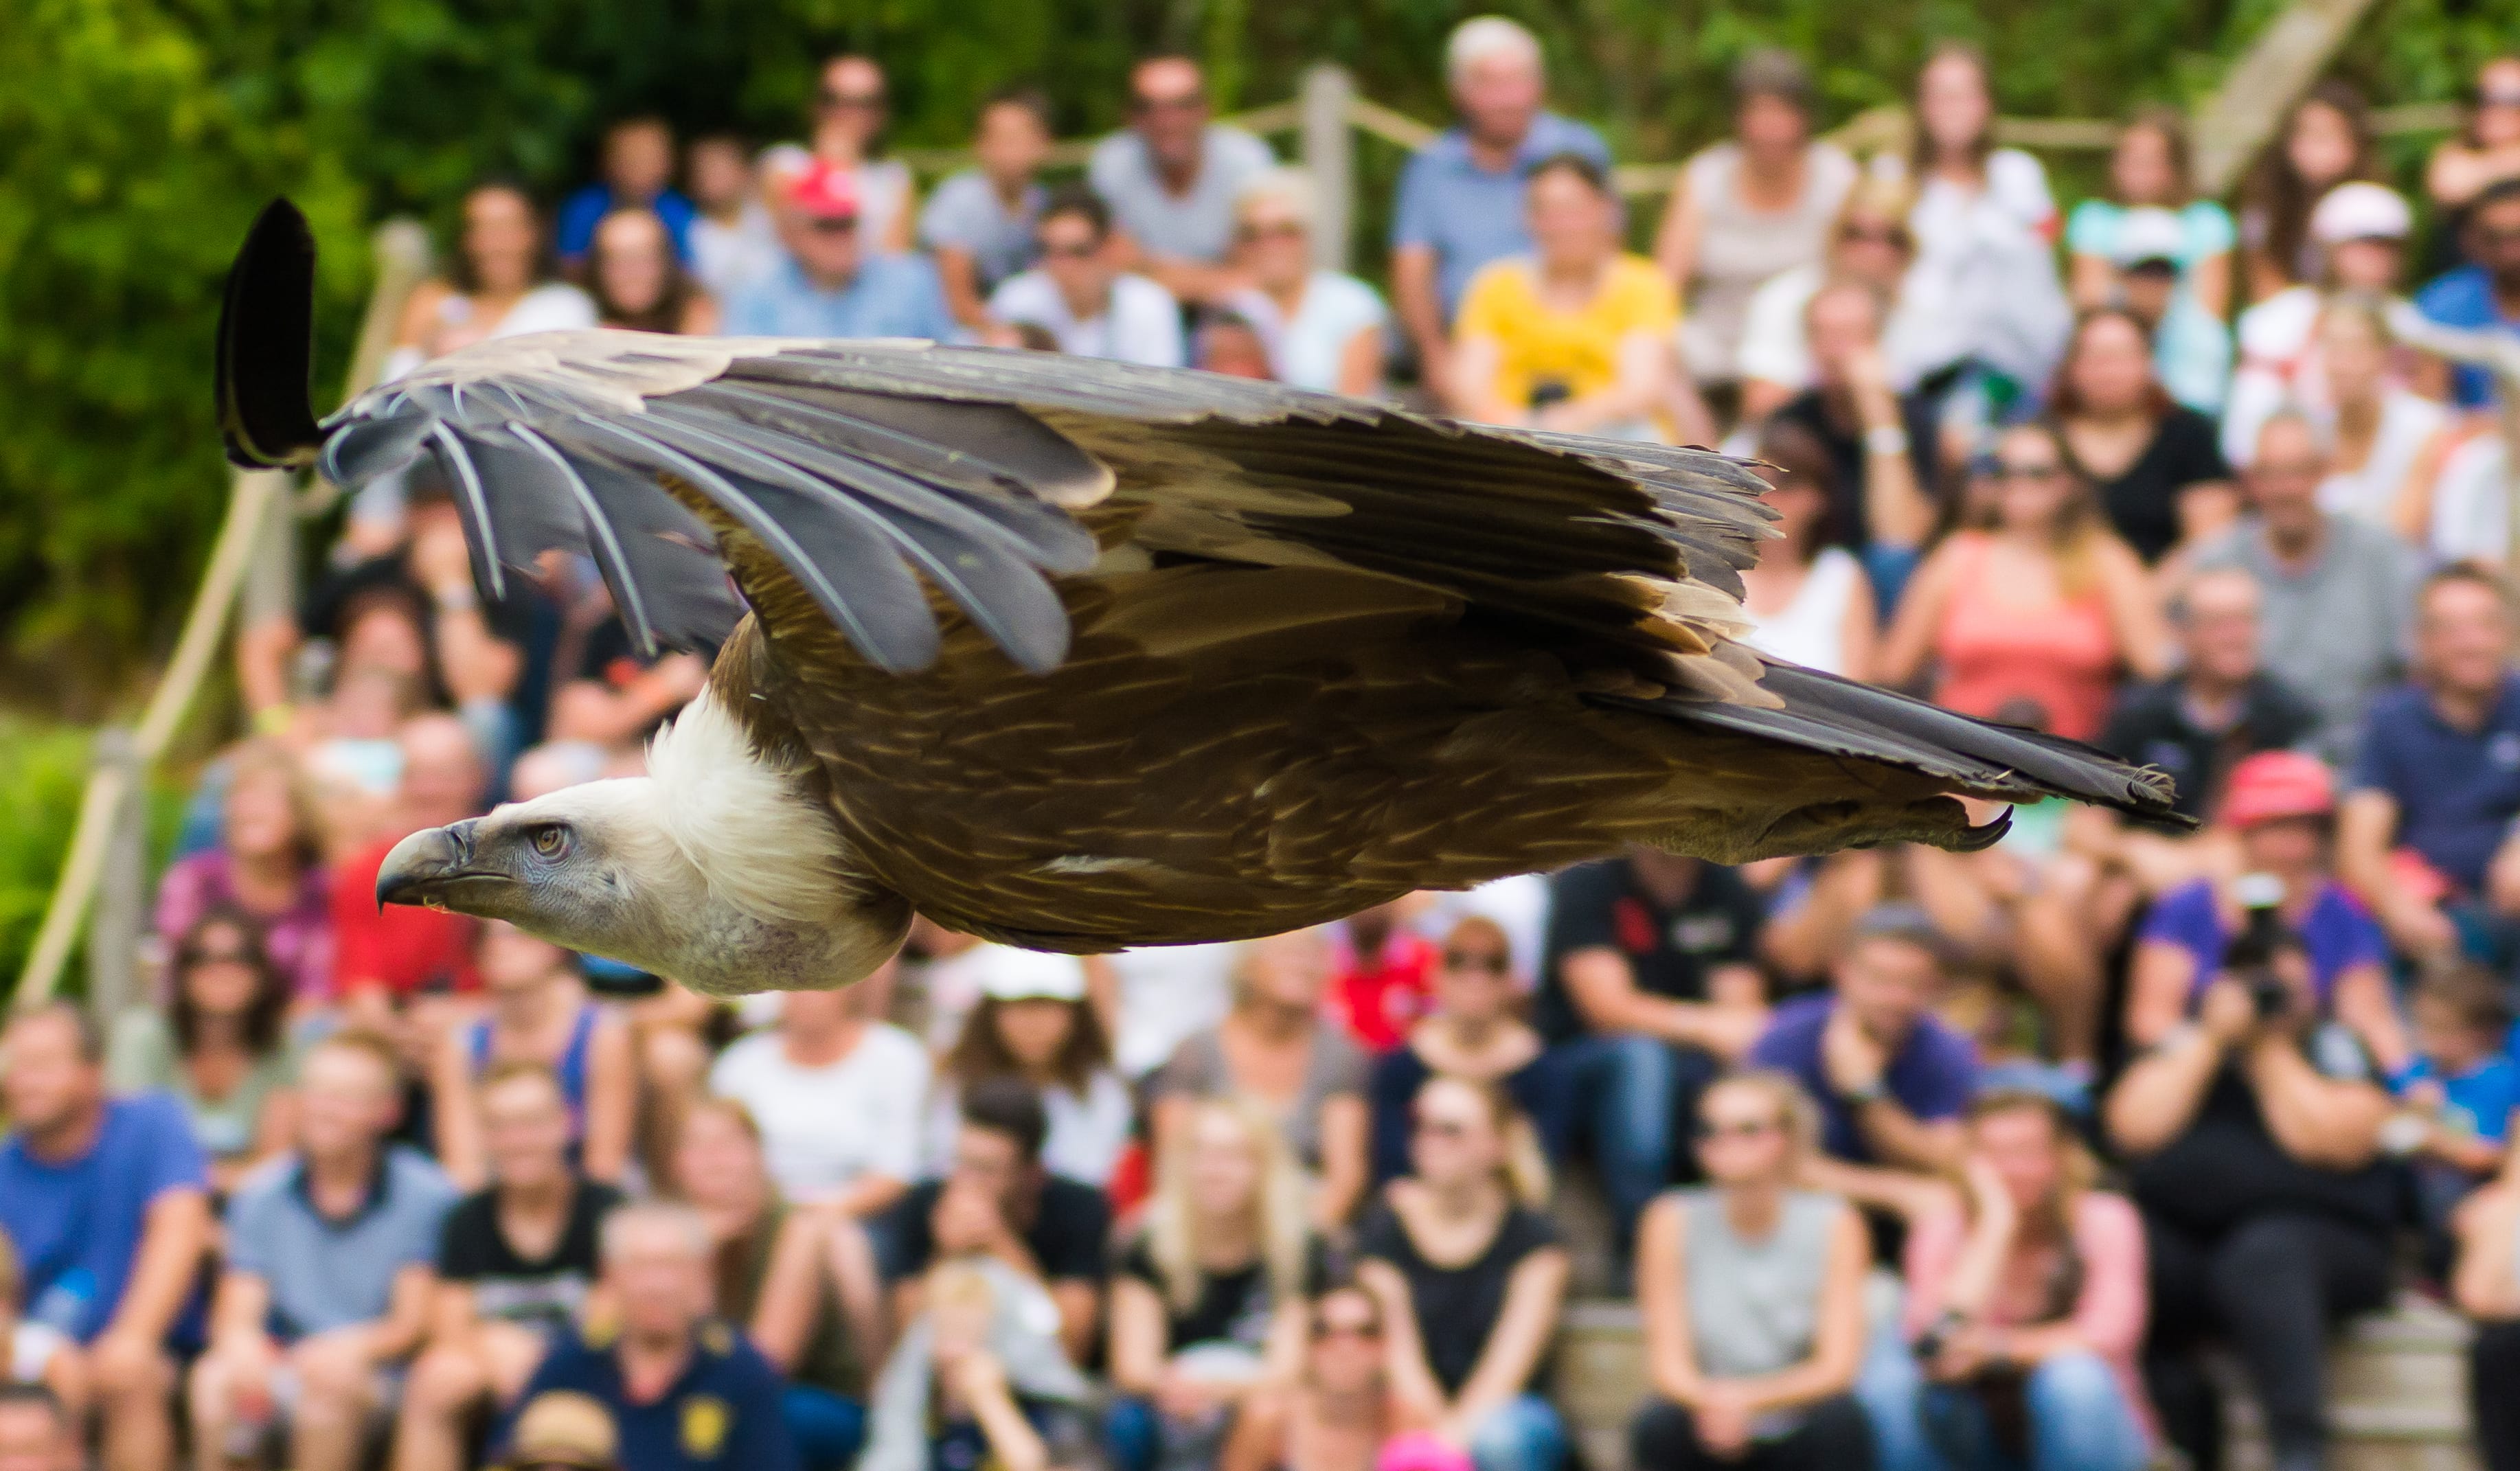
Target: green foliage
47	766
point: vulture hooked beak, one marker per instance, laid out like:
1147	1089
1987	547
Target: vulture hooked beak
267	345
422	868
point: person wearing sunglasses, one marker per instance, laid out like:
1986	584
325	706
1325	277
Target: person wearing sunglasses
1868	240
2486	152
1473	1031
1171	178
1323	329
1752	1292
221	1048
850	107
1081	297
1337	1414
831	284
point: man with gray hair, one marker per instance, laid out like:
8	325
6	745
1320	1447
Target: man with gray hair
1460	202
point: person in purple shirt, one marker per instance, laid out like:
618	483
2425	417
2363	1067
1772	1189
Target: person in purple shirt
638	169
107	1204
2486	293
265	864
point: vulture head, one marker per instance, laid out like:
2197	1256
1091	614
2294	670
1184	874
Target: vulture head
718	869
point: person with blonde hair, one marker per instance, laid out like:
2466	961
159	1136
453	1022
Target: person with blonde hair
267	862
1321	328
1752	1290
1469	1275
1207	1299
1869	239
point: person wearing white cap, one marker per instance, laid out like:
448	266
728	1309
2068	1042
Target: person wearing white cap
2360	230
1034	1021
2191	349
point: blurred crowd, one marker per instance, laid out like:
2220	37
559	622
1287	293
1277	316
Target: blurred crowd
1908	1159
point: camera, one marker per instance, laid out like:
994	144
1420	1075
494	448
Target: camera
2250	955
1929	1344
1549	390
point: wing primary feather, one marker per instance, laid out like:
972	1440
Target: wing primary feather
474	505
604	540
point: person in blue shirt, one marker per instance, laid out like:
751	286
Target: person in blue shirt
829	285
2464	1084
687	1391
2485	293
1460	201
638	169
107	1204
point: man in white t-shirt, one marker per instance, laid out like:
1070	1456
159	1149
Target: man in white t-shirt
838	1098
1079	300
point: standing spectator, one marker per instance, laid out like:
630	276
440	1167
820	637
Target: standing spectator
997	1202
1277	1048
1209	1296
1470	1278
2360	231
387	957
979	222
2040	610
516	1262
1748	207
2191	349
979	1380
266	865
1079	294
836	1095
1752	1290
1337	1414
1648	991
1462	196
107	1202
1808	597
851	104
1034	1022
219	1046
500	282
637	173
1323	329
2151	167
1171	178
539	1012
733	241
1868	241
2151	461
2031	1295
638	282
829	285
1473	1033
34	1354
1890	1077
39	1430
1882	442
2325	141
2484	293
686	1390
1576	337
2338	592
328	1277
2486	152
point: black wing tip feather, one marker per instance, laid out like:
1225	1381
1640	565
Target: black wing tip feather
266	345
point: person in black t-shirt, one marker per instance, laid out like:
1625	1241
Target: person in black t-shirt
998	1201
516	1264
1646	990
2149	460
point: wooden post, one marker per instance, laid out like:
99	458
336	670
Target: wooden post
121	898
1329	154
2244	111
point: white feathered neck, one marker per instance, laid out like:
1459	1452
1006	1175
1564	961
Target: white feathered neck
754	830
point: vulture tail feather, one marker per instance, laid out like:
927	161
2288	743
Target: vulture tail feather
267	346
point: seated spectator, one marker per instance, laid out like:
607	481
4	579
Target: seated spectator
564	1431
1575	336
2255	1144
1081	297
845	140
265	864
999	1202
978	1381
802	1283
38	1430
1323	329
500	282
2041	609
1227	344
1461	204
1171	178
831	284
639	284
538	1012
2191	350
1472	1032
2336	591
1277	1048
2487	1288
2463	1086
605	693
1034	1022
1868	241
2484	293
400	954
732	242
837	1098
517	1262
2482	154
35	1354
1883	444
2026	1299
1337	1413
2151	167
1890	1077
1809	598
2325	141
2145	457
1207	1297
1161	996
1470	1278
328	1277
1380	984
1752	1291
1743	209
2386	441
637	174
979	223
2437	784
221	1048
684	1387
2360	231
1648	991
107	1202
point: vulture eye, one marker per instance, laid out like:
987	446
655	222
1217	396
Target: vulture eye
551	840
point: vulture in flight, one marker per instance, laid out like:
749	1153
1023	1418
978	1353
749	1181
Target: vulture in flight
1079	655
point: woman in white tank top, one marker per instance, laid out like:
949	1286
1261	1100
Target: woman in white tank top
1809	600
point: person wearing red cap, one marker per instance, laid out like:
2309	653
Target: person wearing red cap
829	285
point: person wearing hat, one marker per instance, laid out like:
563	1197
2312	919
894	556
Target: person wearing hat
2484	293
829	285
2191	349
564	1431
2359	230
1035	1022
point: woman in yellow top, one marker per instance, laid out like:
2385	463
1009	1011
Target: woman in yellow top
1575	336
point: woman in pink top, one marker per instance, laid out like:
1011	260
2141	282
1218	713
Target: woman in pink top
2027	1302
2030	617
